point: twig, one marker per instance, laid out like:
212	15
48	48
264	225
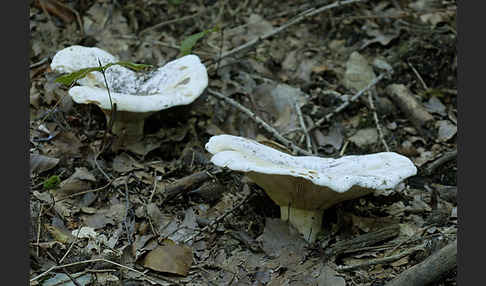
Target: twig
75	282
418	233
70	246
165	23
418	76
383	260
39	228
99	167
54	108
153	189
127	208
377	122
308	13
430	269
88	191
220	49
258	120
341	153
346	103
94	261
302	124
218	219
442	160
39	63
365	240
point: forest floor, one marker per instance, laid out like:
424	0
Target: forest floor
159	212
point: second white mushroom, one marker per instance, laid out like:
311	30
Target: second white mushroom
304	186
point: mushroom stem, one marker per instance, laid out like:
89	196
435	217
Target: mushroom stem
129	128
129	124
307	222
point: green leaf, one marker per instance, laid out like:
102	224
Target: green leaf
52	182
189	42
70	78
134	66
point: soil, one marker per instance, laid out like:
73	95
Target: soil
108	212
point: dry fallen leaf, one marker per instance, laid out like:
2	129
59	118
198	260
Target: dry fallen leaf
79	181
123	163
41	163
447	130
169	258
359	72
112	215
365	137
329	276
280	240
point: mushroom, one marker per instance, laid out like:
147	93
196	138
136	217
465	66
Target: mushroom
136	94
304	186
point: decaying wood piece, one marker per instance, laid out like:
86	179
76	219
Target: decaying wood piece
441	161
388	259
186	184
429	270
364	240
420	118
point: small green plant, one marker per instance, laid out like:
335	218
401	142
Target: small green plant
52	182
189	42
70	78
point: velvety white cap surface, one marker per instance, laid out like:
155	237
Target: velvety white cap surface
378	171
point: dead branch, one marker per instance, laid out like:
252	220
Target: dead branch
186	183
415	111
266	126
429	270
364	240
383	260
439	162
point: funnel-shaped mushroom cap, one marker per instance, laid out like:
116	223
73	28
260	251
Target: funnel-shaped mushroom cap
309	182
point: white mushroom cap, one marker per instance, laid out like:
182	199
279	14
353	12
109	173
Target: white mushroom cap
179	82
304	186
378	171
74	58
